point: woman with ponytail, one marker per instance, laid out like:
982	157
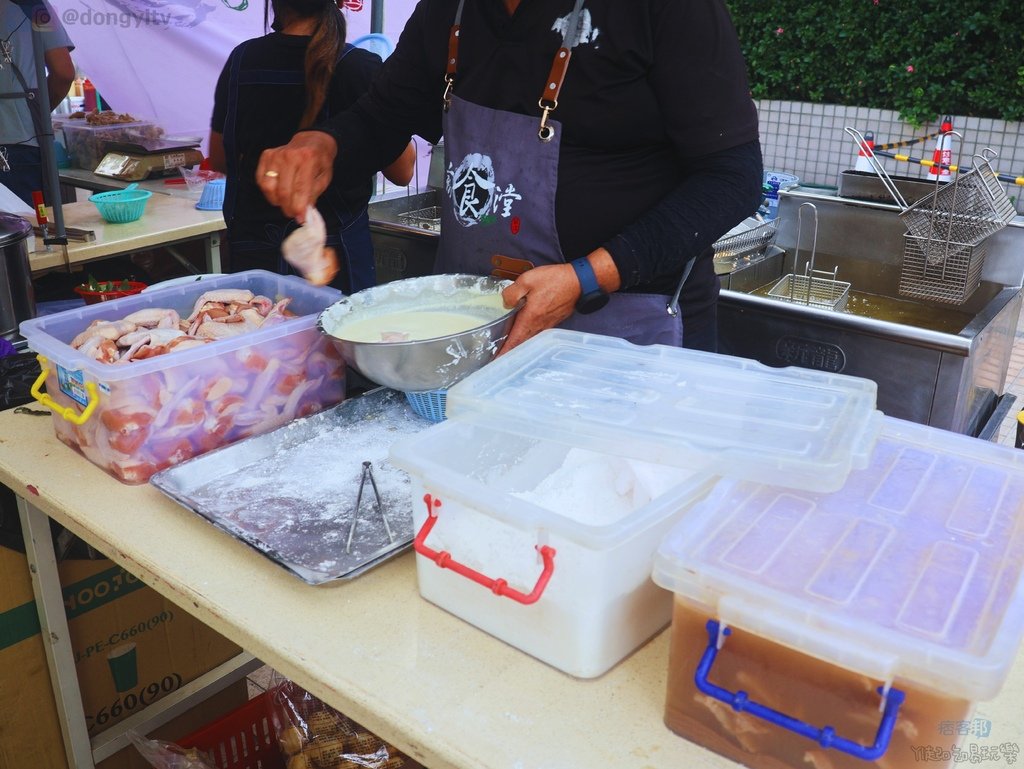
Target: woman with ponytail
299	74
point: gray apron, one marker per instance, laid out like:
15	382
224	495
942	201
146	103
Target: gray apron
499	198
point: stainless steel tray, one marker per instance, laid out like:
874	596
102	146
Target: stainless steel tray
291	493
865	185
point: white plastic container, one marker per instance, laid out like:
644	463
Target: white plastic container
828	608
584	598
136	418
775	181
493	486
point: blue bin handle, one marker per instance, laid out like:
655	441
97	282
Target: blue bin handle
826	736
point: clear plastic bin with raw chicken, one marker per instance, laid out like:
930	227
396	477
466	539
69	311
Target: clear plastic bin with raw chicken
145	382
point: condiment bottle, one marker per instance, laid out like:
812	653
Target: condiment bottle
41	219
89	93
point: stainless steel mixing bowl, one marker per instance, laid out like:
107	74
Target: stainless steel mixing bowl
426	364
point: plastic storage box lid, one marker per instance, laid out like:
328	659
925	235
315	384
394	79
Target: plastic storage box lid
679	407
911	571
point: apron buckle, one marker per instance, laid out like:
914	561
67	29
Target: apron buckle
546	132
449	81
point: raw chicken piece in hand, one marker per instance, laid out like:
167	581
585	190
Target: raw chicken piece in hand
306	250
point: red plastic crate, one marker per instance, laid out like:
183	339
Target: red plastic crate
242	739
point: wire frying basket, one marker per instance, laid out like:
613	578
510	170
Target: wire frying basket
751	239
814	288
967	210
428	218
944	252
940	271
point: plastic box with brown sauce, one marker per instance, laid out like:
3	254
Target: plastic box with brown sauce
844	630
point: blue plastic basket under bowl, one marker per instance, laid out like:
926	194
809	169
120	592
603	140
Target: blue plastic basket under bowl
429	404
212	198
121	206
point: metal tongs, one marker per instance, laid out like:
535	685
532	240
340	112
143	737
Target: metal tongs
367	474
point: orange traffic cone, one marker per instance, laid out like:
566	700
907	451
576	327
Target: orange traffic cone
865	151
943	155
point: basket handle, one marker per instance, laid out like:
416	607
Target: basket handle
982	164
987	154
825	736
862	145
497	586
67	412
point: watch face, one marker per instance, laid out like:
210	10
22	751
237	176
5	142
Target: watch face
591	302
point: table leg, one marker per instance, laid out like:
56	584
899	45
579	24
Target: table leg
181	259
81	751
42	563
212	244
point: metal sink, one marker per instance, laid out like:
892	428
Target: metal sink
934	364
404	230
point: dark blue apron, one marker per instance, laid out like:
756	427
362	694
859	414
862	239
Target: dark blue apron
347	233
500	182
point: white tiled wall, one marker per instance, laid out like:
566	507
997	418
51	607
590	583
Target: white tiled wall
808	140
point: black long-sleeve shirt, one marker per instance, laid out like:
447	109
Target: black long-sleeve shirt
659	147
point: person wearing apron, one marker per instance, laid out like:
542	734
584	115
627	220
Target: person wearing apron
264	81
509	165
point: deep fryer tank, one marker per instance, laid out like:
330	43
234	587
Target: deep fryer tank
934	364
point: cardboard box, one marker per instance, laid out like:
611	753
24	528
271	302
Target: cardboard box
131	647
209	710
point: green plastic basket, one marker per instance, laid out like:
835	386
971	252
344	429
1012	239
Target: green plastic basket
429	404
121	206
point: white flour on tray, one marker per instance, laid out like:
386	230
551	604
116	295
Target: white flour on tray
298	503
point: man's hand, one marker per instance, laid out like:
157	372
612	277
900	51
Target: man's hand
292	177
550	291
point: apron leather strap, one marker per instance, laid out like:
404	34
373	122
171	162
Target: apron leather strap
509	267
453	56
559	66
548	101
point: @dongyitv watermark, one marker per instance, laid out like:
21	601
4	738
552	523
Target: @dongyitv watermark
146	17
130	15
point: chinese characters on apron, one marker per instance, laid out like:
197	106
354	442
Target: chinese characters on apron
500	182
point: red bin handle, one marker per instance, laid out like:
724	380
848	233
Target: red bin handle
497	586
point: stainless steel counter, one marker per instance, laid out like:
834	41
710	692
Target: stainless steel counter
947	368
404	247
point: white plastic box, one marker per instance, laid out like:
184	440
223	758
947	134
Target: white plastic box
598	603
150	414
653	417
829	608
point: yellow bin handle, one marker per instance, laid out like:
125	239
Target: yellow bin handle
69	413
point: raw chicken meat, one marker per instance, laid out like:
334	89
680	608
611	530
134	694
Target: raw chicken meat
305	249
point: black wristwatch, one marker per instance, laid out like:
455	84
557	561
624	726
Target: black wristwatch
592	298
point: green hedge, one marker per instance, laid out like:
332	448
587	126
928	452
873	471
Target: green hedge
920	58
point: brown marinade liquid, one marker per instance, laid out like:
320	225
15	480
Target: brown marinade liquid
816	692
